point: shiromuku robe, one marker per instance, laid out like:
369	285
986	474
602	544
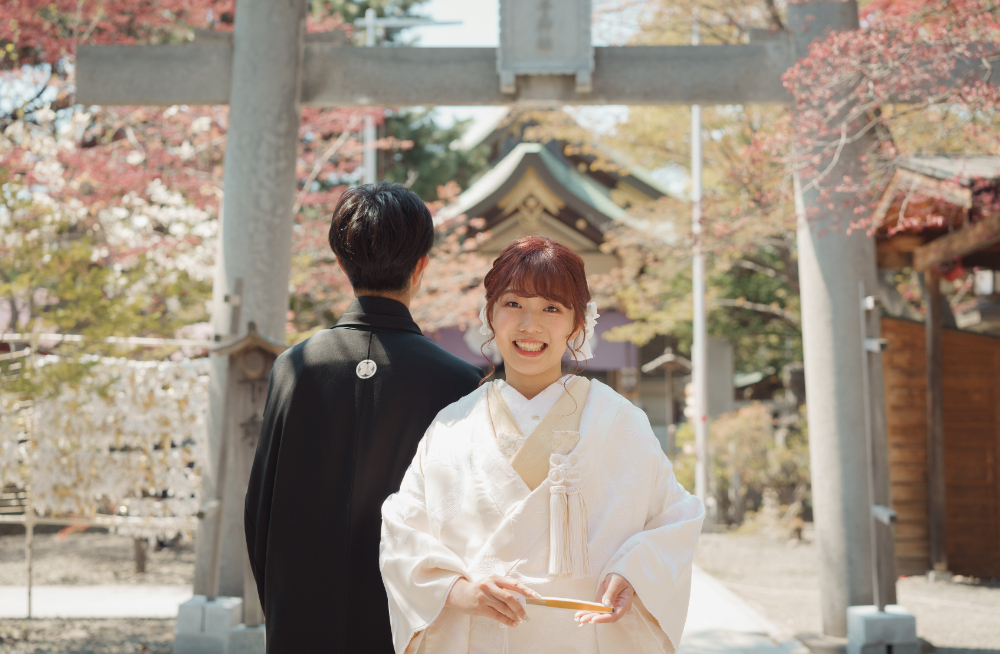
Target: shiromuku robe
463	511
346	410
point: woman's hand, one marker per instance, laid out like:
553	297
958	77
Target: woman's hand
615	592
492	597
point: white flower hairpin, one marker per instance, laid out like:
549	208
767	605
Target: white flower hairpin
484	329
579	349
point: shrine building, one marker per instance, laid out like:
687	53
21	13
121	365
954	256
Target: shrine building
940	216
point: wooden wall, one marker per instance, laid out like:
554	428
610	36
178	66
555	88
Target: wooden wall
972	447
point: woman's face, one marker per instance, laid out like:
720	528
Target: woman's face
532	332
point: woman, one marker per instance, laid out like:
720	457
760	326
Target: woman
540	485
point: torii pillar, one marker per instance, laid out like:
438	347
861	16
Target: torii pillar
831	266
256	226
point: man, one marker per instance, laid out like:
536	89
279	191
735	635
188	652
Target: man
345	412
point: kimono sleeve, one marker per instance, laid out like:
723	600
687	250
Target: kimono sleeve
418	570
657	561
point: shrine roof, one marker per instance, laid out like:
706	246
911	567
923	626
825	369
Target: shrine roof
496	128
252	339
483	190
940	210
963	169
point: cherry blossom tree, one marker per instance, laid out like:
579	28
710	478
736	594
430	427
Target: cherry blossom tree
918	78
145	184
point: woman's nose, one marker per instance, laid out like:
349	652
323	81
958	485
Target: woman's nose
529	322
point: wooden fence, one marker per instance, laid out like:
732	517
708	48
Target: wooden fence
972	447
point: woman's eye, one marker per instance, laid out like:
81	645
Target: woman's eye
512	303
552	309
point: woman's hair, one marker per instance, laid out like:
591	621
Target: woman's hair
535	266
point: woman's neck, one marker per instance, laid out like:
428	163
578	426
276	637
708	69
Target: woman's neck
531	385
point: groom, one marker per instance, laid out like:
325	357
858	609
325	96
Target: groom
345	411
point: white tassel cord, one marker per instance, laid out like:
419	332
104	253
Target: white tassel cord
569	554
558	521
577	536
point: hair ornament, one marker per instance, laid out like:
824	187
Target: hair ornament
484	329
580	348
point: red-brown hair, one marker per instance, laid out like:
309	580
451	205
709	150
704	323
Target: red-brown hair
535	266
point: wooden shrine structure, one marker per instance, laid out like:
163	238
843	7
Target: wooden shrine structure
940	215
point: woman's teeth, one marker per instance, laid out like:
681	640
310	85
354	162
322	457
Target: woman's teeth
529	346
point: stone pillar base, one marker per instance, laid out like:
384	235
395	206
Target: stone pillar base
822	644
870	631
939	576
246	640
203	626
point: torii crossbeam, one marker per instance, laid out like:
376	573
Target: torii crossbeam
269	68
343	76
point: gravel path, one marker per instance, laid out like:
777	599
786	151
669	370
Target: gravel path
90	559
86	636
779	579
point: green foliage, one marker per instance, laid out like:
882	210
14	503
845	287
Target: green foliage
350	10
431	162
755	449
763	280
684	460
58	275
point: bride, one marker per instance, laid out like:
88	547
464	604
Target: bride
543	485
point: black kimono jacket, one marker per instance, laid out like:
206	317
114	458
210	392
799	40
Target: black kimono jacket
338	433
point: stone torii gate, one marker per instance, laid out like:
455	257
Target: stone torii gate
270	67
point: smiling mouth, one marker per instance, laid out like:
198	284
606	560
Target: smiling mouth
531	347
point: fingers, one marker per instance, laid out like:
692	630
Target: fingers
584	617
499	617
602	589
498	604
615	585
509	602
510	584
616	592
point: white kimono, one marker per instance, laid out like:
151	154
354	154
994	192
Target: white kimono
463	511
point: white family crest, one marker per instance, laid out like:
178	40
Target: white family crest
366	369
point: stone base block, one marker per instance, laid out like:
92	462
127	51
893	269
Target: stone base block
823	644
201	643
191	616
939	576
246	640
870	631
203	626
223	613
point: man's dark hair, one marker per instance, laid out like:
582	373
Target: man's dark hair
378	234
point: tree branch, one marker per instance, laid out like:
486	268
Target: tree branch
775	16
762	269
788	316
319	163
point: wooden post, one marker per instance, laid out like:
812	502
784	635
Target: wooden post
935	423
249	362
668	397
29	505
139	546
29	535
